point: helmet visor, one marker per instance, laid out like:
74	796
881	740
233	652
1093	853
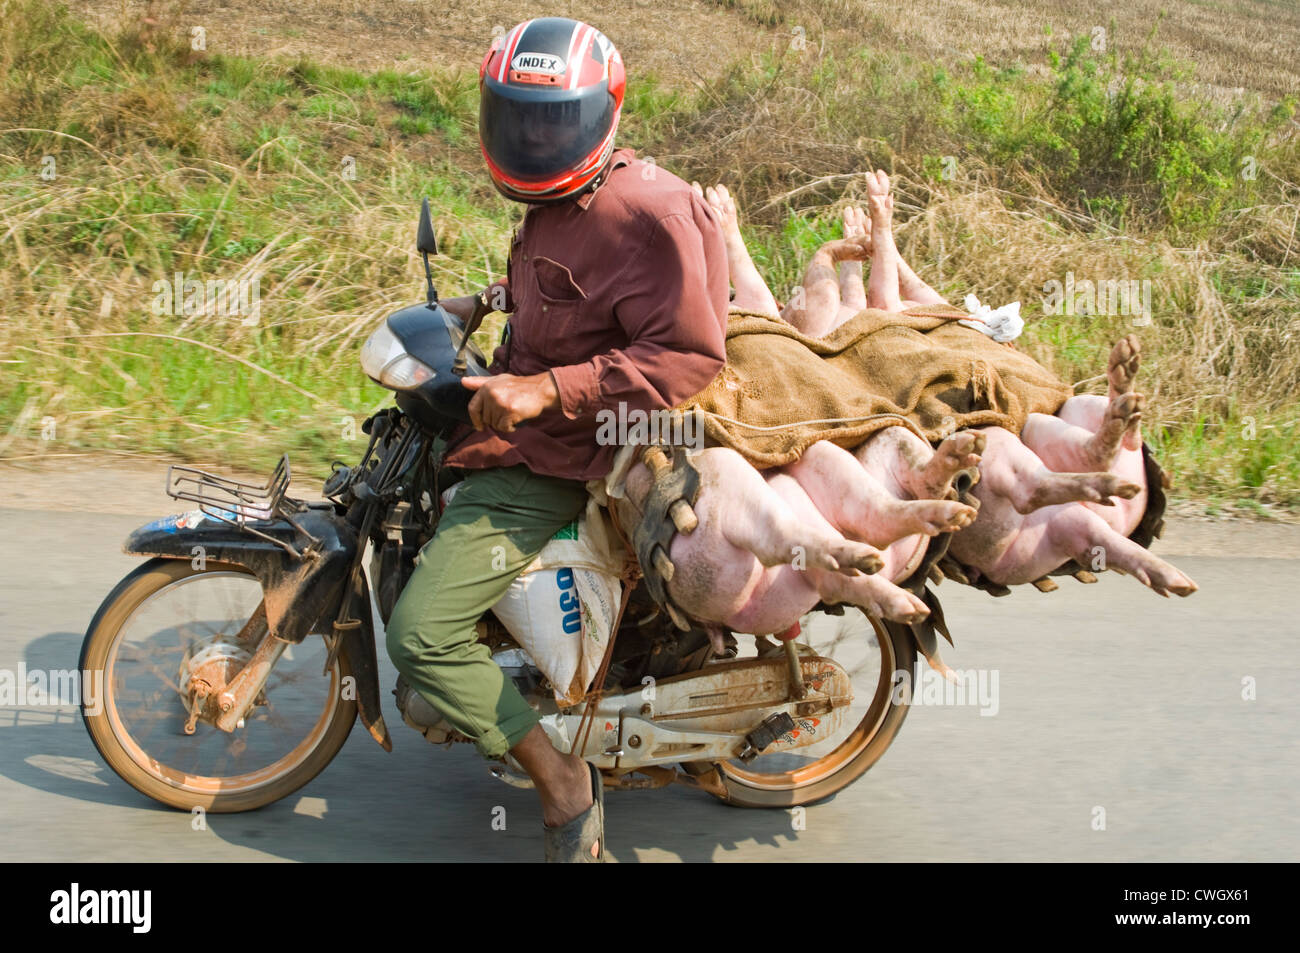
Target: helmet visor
533	137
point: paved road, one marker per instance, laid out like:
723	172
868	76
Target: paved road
1109	697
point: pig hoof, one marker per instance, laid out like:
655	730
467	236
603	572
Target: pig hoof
856	222
1125	357
848	558
901	606
860	557
1120	427
1055	488
857	248
959	451
932	517
1107	485
1166	579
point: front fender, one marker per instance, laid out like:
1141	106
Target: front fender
302	594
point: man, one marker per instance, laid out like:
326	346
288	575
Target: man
617	280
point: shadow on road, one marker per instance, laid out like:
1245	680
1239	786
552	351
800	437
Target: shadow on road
417	804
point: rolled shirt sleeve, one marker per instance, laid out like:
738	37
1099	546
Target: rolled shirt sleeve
675	317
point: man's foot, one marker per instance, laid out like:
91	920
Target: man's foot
580	839
563	781
570	794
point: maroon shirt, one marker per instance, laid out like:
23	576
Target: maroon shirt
623	295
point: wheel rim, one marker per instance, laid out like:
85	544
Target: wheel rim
145	704
867	653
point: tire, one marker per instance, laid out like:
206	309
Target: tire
828	775
147	773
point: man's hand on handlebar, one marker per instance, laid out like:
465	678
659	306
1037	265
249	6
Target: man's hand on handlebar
503	401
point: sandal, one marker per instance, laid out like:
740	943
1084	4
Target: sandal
571	843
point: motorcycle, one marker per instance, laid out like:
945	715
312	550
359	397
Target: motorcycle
236	659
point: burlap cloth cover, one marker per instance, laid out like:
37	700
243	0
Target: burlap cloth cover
919	369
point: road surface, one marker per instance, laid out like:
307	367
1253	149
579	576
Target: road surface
1110	699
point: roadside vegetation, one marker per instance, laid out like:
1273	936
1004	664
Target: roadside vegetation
127	158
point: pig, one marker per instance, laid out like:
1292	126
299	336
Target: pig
833	526
1035	515
1046	499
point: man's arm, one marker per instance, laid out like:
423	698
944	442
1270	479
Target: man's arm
675	316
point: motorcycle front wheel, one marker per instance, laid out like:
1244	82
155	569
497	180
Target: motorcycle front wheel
872	654
168	621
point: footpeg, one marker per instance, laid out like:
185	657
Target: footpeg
771	728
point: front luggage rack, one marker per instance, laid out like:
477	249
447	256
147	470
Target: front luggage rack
237	503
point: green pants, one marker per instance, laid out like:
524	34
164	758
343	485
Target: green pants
494	526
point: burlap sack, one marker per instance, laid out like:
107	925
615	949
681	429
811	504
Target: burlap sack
781	391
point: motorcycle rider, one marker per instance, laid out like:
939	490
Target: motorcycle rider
617	283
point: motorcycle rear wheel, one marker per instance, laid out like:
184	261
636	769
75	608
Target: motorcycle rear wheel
268	759
813	780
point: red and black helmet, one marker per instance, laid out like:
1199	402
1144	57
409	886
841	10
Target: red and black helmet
551	91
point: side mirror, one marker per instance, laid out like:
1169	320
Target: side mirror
425	240
427	244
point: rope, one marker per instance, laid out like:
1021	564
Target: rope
800	423
629	576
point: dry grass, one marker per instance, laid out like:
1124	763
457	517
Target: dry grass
679	40
217	168
1233	44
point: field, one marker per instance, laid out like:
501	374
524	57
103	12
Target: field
1033	143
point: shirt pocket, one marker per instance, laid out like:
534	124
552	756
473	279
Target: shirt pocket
560	303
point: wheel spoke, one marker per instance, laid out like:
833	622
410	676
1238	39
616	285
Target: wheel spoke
204	612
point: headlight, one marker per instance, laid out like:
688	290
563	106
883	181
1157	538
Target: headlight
385	360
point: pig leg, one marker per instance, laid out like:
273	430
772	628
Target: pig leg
875	595
914	292
720	579
815	306
1012	549
861	507
1016	474
1015	541
775	598
853	293
1066	445
755	517
915	469
1121	371
752	293
882	286
1090	432
1085	537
